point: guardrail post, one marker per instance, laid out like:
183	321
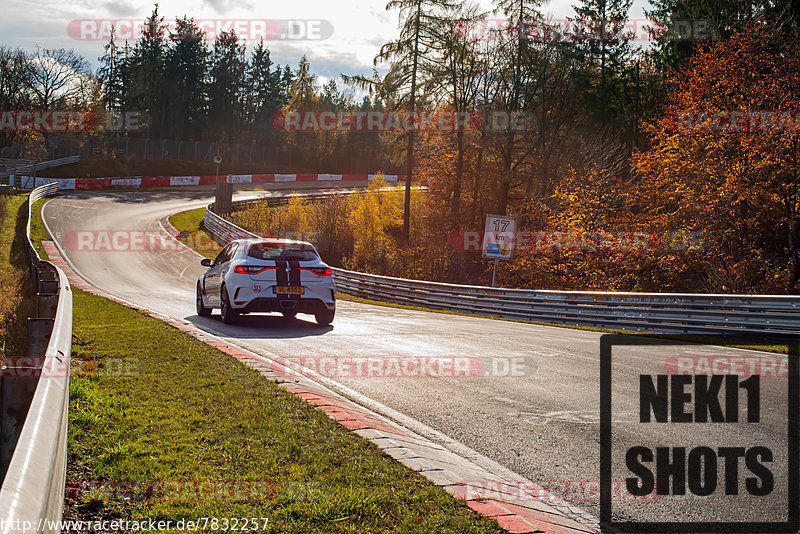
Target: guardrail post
39	330
17	387
46	305
47	292
47	282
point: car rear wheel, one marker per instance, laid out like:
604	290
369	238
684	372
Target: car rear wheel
324	317
229	315
202	311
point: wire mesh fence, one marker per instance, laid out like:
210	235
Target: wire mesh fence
116	147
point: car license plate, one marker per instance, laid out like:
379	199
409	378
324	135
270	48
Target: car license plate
289	289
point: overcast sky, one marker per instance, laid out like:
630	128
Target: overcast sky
359	28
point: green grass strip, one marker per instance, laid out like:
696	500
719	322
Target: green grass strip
190	223
149	403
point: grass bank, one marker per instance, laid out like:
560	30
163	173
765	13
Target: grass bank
161	411
194	234
16	302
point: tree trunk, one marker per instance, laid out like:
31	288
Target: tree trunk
456	201
473	216
410	152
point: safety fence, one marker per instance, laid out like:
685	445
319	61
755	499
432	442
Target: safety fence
136	182
668	313
35	400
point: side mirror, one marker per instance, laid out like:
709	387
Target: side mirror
205	262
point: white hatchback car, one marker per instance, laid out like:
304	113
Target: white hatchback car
267	275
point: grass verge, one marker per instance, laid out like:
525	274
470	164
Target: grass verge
156	416
38	231
16	302
193	232
182	412
192	221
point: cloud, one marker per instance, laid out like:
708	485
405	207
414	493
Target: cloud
329	62
382	15
227	6
121	9
334	66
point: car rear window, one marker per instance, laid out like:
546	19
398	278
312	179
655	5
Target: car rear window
282	252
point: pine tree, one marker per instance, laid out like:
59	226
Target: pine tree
265	90
604	48
148	75
301	91
286	83
331	97
187	65
706	20
110	74
227	78
421	25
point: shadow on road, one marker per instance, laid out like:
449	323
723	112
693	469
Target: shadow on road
255	326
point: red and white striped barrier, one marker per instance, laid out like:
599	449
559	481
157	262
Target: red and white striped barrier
137	182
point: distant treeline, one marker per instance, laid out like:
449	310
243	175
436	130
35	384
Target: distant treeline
600	151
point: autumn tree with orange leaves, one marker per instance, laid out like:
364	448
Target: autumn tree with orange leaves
725	160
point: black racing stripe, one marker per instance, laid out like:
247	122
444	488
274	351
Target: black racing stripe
281	279
294	277
294	274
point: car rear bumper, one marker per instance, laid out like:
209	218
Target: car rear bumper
265	304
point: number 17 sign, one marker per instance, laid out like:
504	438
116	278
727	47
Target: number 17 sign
498	237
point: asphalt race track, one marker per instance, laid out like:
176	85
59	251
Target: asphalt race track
542	423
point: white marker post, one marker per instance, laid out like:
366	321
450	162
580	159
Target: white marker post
217	161
498	240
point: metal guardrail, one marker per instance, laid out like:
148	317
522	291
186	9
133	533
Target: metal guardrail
223	230
9	166
227	231
36	195
239	205
666	313
38	166
35	400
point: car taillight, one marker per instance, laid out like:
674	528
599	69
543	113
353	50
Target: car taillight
251	269
319	271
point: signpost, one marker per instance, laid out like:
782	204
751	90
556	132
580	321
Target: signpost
498	240
217	161
224	192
